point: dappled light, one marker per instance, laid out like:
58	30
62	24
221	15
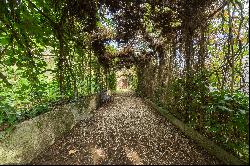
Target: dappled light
125	132
133	156
102	62
97	154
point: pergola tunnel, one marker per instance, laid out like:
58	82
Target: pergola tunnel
103	58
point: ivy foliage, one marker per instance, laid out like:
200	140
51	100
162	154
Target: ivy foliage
188	56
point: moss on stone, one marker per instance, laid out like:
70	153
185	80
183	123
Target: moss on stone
31	137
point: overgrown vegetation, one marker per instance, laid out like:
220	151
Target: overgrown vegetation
47	54
200	74
190	57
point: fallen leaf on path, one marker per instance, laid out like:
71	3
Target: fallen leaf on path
72	151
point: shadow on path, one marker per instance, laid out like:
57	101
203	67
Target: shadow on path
125	131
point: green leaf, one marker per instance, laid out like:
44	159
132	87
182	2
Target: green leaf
4	40
242	111
225	108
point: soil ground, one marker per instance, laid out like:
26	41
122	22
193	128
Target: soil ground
125	131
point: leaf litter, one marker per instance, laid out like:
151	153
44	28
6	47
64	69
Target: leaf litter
123	132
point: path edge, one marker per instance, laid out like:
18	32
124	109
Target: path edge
31	137
201	140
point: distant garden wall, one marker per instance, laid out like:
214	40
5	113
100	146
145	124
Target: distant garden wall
31	137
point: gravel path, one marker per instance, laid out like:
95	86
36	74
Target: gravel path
125	131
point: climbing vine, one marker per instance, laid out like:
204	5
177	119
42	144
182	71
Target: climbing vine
190	57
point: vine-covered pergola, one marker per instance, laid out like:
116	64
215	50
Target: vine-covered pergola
178	49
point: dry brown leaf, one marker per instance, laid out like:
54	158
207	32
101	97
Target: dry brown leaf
72	151
127	132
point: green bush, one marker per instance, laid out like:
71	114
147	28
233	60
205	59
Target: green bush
227	120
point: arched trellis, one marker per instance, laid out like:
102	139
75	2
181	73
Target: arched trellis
168	41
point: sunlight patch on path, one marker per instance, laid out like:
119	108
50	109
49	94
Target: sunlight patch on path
126	131
133	156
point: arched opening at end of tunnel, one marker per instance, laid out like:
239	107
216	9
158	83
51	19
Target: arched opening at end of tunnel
126	80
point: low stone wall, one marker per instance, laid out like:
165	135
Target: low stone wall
31	137
202	141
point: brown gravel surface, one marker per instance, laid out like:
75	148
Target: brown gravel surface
125	131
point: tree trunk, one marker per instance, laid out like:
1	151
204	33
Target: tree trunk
60	64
